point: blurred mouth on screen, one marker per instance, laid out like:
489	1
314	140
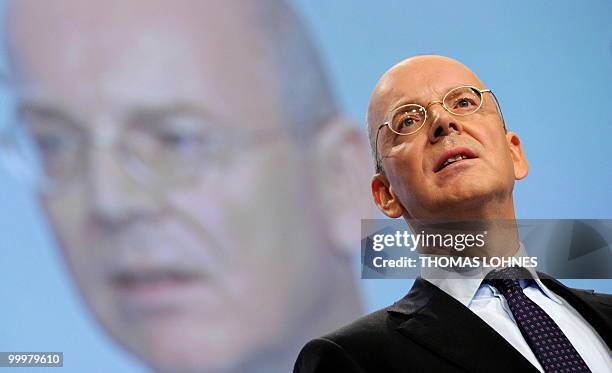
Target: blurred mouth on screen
159	289
160	270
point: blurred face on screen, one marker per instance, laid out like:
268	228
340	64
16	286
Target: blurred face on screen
181	200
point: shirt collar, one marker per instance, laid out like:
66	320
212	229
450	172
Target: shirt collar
546	290
464	288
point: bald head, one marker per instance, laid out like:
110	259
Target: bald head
96	47
412	81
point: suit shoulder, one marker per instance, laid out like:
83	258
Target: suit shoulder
582	300
591	295
352	348
603	298
364	330
323	355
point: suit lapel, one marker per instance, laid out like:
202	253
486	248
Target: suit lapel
435	320
596	309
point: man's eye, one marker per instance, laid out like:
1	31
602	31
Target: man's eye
48	144
179	141
464	103
176	139
407	122
52	145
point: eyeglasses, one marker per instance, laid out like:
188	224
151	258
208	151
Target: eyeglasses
155	152
410	118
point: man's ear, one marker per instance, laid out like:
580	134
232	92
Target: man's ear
343	170
384	197
521	167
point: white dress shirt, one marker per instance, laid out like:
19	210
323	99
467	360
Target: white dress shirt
490	305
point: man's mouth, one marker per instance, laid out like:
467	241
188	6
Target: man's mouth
158	288
133	280
453	156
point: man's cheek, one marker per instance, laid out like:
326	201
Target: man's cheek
80	244
67	213
405	173
203	205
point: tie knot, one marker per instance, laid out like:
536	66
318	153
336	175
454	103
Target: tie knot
509	273
506	280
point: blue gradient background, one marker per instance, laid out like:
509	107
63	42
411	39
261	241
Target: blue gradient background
549	63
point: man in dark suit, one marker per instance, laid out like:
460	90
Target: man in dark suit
442	151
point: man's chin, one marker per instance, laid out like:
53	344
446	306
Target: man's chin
461	202
182	344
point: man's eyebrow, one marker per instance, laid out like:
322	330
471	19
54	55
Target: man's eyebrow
439	92
404	101
171	109
46	110
399	103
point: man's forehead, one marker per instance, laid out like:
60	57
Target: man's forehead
419	80
67	33
421	77
139	53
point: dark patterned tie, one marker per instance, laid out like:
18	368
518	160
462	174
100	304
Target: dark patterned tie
551	347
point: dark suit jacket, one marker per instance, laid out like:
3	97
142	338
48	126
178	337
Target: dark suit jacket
430	331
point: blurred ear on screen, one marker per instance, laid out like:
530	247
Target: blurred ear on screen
343	170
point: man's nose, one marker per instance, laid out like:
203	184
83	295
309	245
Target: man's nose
113	196
442	123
